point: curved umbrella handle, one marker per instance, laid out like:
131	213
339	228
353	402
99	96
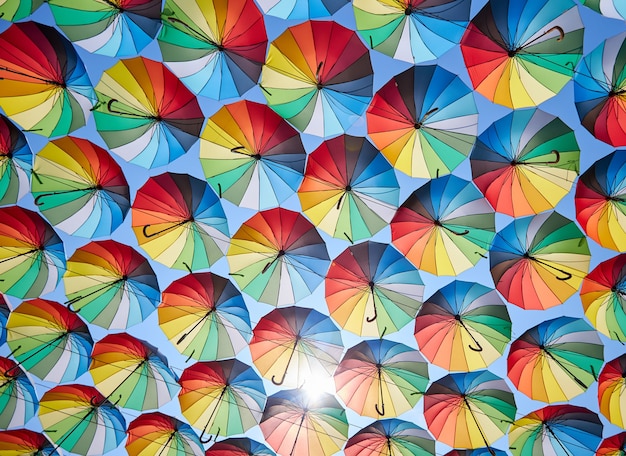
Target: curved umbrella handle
556	160
282	379
205	440
558	29
478	347
69	307
8	372
368	319
95	404
379	411
38	199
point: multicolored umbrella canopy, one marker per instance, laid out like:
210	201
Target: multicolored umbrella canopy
14	10
238	446
18	398
20	442
614	445
391	437
609	8
16	161
155	433
301	9
612	391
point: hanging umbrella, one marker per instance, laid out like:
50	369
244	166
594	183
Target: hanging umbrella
556	360
380	378
349	190
372	289
296	345
79	188
609	8
221	397
391	437
469	410
538	262
216	47
14	10
115	28
241	446
424	120
205	317
44	87
525	162
318	76
600	201
18	399
612	391
49	341
521	53
145	114
295	423
556	429
16	161
463	327
158	434
79	419
614	445
251	156
278	257
444	227
20	442
179	221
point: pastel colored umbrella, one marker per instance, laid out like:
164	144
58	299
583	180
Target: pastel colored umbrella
318	76
349	190
79	188
80	420
216	47
44	86
424	120
525	162
110	284
296	345
469	410
49	341
16	161
556	429
20	442
238	446
4	315
463	327
444	227
371	289
380	378
277	257
155	433
132	373
600	201
179	221
18	398
295	423
390	437
145	114
609	8
612	391
14	10
205	316
115	28
614	445
538	262
556	360
412	30
31	254
521	53
251	156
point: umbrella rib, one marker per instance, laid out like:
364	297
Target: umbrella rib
19	255
196	33
47	81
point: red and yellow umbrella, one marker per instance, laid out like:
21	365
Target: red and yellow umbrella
158	434
20	442
612	391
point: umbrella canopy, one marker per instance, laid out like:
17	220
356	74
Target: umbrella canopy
424	120
318	76
251	156
521	53
609	8
14	10
463	327
614	445
349	190
16	161
380	378
241	446
612	391
391	437
18	399
301	9
158	434
20	442
79	188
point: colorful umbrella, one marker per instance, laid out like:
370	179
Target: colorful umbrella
463	327
241	446
600	201
609	8
538	262
251	156
556	430
44	86
469	410
318	76
115	28
525	162
79	188
278	257
145	114
424	120
295	423
49	341
379	378
556	360
179	221
390	437
14	10
614	445
20	442
16	161
31	254
372	289
216	47
80	420
296	345
18	399
159	434
205	317
349	190
519	53
444	227
612	391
